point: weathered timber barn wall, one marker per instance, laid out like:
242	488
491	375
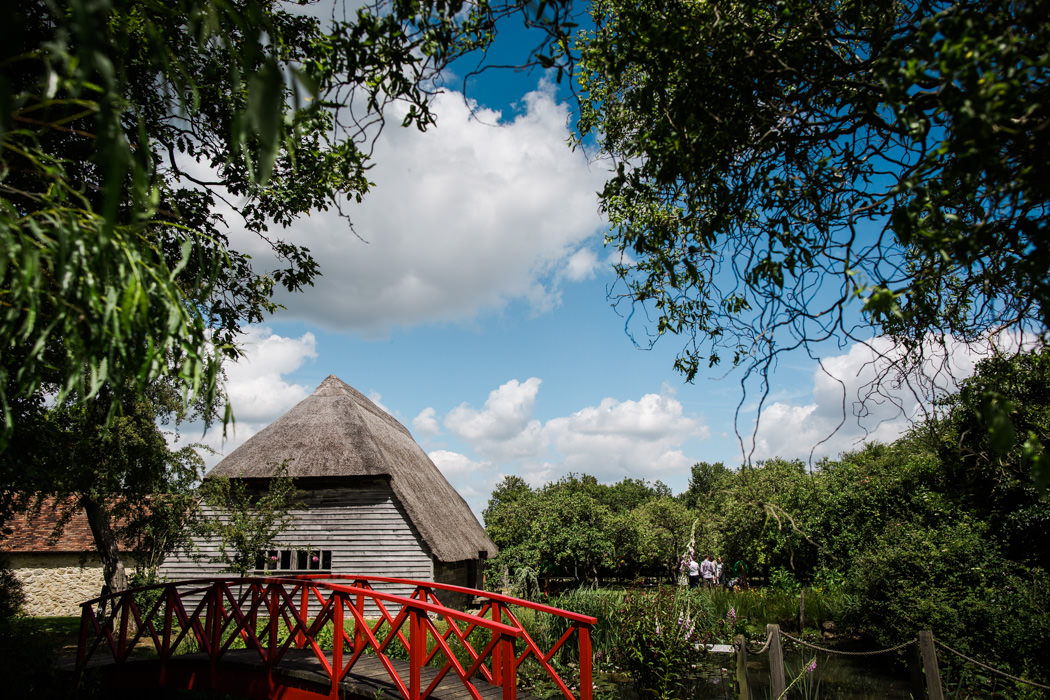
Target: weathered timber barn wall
371	497
361	524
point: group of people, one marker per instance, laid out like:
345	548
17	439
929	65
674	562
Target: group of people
711	572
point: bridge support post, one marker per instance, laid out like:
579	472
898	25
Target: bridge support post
304	612
417	650
586	661
497	650
359	637
213	631
85	620
337	642
125	609
508	667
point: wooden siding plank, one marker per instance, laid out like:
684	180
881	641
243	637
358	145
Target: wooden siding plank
365	529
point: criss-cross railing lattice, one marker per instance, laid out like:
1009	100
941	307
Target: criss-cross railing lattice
339	619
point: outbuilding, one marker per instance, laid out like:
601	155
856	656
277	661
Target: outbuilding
57	567
372	502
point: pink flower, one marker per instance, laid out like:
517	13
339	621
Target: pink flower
812	666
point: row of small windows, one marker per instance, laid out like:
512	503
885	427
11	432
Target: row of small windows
304	560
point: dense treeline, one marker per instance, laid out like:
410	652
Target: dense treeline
943	529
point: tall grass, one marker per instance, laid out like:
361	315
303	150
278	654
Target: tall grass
757	608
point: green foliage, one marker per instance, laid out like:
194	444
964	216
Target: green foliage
784	167
572	527
115	267
940	530
987	440
137	488
923	578
705	480
29	652
663	526
760	516
601	603
661	638
579	528
244	521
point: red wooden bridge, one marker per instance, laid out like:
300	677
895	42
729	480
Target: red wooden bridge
308	637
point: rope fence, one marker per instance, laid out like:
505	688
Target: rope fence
839	652
926	671
986	667
765	647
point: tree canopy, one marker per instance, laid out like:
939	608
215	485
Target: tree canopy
793	172
939	530
126	127
124	124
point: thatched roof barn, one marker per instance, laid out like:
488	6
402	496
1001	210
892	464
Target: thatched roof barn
374	502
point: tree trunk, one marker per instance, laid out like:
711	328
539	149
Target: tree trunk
106	544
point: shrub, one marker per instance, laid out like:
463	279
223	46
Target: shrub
662	637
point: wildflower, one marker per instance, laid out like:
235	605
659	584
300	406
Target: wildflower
658	629
812	666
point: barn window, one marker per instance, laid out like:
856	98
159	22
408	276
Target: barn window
297	560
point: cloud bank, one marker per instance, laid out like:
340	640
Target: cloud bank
640	438
478	212
844	412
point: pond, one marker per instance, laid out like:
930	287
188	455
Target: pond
835	678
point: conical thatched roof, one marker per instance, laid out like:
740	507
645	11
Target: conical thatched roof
336	432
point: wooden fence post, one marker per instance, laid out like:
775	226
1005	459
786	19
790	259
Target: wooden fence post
777	682
918	686
929	666
740	647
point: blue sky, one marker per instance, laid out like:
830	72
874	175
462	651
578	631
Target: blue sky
472	305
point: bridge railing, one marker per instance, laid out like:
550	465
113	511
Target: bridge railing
327	615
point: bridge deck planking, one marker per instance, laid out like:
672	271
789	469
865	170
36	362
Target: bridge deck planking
367	679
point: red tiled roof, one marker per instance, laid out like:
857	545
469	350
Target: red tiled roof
33	531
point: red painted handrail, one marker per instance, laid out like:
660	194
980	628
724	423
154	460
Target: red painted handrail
271	615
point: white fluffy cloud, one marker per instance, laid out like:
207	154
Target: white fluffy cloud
615	439
504	428
476	212
257	389
626	438
258	392
844	412
425	423
454	464
581	265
